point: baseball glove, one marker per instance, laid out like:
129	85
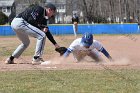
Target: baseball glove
61	50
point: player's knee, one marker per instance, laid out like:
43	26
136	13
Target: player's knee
42	37
25	45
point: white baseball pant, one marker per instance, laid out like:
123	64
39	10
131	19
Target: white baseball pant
75	28
22	30
94	54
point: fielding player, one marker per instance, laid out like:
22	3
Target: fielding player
33	22
75	21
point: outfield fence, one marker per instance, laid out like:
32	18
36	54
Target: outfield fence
61	29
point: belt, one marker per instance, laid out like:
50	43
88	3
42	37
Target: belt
18	16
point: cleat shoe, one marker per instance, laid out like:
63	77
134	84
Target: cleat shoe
37	61
9	61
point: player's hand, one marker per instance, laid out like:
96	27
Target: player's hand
110	58
57	46
45	29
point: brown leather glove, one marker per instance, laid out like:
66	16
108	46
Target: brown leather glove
61	50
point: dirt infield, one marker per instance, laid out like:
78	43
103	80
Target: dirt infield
125	49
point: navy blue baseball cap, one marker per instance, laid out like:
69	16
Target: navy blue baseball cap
51	6
87	39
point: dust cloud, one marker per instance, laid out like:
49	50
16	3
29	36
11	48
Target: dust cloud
70	59
119	62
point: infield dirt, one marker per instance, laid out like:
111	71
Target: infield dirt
125	50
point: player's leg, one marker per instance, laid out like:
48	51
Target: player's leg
76	27
94	54
27	29
74	30
41	38
23	29
20	49
23	37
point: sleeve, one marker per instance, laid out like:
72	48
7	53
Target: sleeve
97	45
69	50
72	20
104	51
44	21
100	48
71	47
50	37
66	54
43	24
73	44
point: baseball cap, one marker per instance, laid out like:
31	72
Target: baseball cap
87	39
51	6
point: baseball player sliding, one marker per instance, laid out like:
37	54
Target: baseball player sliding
87	46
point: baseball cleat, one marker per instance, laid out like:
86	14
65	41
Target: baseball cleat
37	61
46	63
9	61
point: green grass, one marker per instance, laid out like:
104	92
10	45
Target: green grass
70	81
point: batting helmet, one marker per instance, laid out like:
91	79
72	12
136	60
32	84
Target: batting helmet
87	39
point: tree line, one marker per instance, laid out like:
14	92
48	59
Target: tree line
109	10
99	11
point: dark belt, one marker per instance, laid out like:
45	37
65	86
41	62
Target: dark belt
18	16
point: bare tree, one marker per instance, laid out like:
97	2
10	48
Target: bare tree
100	8
112	8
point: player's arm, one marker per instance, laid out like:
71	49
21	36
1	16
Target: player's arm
45	28
71	48
72	20
104	51
50	37
66	54
100	48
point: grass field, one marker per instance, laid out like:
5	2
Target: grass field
70	81
37	80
